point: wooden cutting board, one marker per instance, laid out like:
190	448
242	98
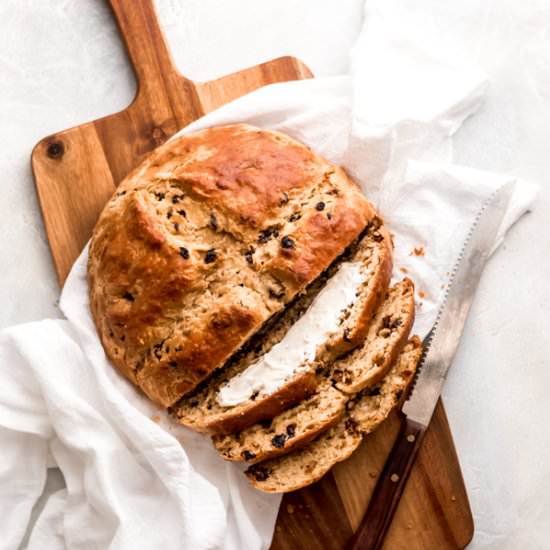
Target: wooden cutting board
77	170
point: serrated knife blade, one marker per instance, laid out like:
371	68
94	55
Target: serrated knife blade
442	342
439	352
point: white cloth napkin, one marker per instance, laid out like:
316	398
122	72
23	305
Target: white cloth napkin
134	478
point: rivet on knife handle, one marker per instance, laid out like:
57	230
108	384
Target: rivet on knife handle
388	490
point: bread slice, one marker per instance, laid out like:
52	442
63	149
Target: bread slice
387	334
296	470
291	429
300	424
373	405
370	408
202	409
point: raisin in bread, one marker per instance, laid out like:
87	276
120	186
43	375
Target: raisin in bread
213	234
282	368
300	424
370	408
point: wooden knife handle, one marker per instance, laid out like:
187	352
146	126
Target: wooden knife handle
389	488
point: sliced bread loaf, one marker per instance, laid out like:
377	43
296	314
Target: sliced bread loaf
370	408
279	369
214	233
301	423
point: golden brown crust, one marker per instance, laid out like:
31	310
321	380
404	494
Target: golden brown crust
242	170
213	234
320	247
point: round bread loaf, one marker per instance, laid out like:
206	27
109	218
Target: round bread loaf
208	238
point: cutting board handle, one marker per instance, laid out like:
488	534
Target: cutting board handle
149	53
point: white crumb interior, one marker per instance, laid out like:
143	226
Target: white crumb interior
299	346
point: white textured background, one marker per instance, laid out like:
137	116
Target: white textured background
62	63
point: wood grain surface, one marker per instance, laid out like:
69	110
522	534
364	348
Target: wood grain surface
77	170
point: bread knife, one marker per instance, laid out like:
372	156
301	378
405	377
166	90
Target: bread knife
440	347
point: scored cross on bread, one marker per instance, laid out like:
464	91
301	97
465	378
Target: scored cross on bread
282	368
210	237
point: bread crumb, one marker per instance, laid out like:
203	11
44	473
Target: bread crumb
453	498
155	418
409	525
372	475
403	270
417	251
290	508
422	294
